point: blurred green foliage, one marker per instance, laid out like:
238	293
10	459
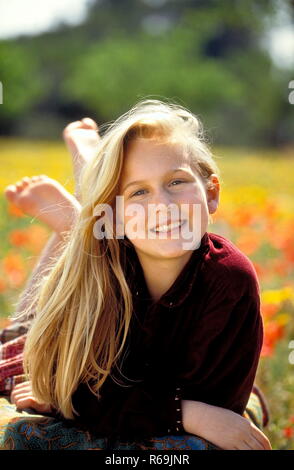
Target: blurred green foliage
205	55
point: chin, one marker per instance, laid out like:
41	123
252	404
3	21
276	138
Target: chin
165	249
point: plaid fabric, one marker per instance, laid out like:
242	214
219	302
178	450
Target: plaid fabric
12	331
12	348
11	364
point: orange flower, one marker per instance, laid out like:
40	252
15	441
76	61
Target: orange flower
18	237
281	267
271	210
269	310
3	285
14	210
14	269
273	331
281	238
261	271
37	236
243	216
266	350
33	237
288	432
289	249
249	242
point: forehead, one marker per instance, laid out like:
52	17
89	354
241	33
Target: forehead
144	156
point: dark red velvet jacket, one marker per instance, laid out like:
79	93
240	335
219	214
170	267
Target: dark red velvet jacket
200	341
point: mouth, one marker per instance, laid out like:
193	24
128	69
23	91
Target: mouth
168	228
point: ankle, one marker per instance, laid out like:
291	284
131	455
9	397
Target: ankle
62	227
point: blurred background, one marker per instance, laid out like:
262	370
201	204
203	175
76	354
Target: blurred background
230	62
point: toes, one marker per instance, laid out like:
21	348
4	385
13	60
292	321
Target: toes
85	123
42	178
89	123
19	185
70	127
10	191
26	180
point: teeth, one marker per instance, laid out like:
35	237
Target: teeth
166	228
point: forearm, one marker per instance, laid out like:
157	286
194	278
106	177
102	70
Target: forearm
192	416
222	427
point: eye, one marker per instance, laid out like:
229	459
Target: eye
140	190
178	181
136	193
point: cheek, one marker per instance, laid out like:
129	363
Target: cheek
135	218
190	198
195	208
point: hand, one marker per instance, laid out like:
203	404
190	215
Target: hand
222	427
22	397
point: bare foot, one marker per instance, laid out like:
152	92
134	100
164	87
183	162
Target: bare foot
46	199
82	140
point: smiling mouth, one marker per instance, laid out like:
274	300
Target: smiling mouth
168	228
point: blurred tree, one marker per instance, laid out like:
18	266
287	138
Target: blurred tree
204	54
22	86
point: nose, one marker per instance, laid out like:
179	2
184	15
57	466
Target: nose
160	206
161	197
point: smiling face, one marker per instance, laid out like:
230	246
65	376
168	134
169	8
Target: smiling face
159	174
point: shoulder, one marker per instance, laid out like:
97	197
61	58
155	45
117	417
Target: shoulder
225	264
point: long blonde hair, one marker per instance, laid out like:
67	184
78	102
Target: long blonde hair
84	305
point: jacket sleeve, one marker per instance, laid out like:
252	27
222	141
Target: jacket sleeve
132	413
223	351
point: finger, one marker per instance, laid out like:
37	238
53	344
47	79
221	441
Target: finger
30	402
20	396
21	384
26	401
20	389
254	444
244	446
264	441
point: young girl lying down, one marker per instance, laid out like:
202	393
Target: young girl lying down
148	324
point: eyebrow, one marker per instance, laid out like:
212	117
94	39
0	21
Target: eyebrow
144	181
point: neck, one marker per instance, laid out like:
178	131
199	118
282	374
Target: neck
160	274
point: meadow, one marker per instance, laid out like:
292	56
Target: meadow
256	212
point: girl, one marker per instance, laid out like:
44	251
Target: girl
137	337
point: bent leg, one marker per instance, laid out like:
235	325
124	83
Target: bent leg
29	431
257	409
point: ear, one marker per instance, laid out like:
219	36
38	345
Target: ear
212	193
